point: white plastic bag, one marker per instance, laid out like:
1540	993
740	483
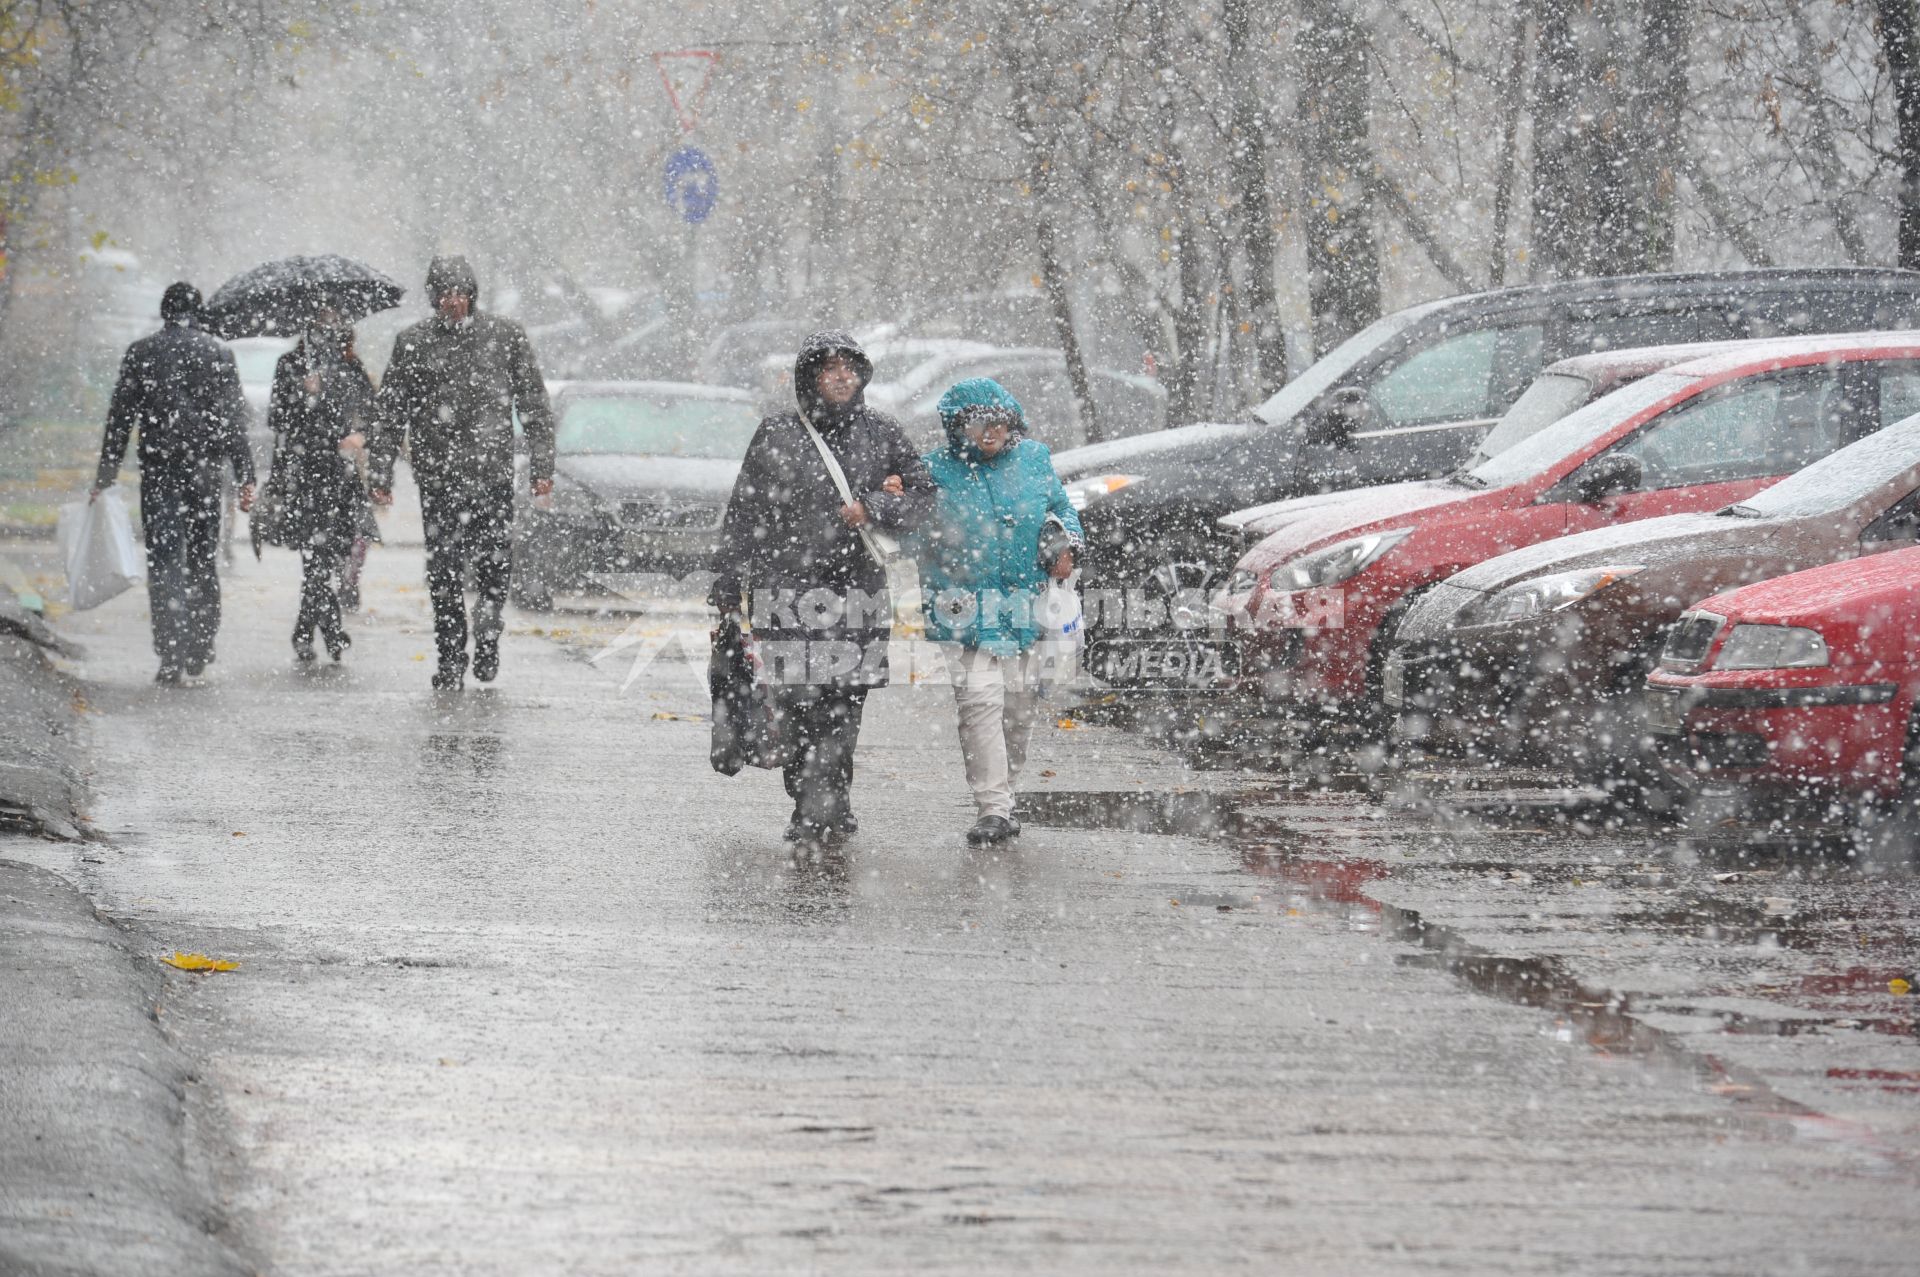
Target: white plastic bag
1058	616
96	544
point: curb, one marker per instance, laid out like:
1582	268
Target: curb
92	1097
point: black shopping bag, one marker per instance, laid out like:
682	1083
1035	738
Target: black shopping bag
746	718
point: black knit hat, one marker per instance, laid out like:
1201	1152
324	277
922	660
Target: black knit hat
180	301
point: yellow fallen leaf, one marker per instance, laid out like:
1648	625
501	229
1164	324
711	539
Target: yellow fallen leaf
1066	724
674	718
239	833
199	962
1899	988
419	656
1173	902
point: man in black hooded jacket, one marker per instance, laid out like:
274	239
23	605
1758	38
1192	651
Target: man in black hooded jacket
453	386
179	391
821	611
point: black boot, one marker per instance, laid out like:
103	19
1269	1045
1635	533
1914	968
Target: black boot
451	676
486	659
991	829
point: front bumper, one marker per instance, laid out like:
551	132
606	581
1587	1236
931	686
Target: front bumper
1836	738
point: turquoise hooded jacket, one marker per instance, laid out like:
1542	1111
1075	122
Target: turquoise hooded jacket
979	552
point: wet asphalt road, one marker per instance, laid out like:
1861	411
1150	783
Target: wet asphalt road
525	988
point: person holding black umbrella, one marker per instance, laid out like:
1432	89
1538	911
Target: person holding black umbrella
452	387
322	398
179	390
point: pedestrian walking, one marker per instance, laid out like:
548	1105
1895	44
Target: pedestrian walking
818	490
319	408
451	391
1002	527
179	390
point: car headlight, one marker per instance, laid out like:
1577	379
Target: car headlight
1336	563
1543	594
1082	491
1772	647
1243	581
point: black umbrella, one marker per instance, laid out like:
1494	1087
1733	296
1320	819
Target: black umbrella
282	298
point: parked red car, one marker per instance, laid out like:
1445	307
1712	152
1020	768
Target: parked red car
1804	684
1315	605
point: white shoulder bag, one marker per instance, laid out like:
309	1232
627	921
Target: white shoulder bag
882	547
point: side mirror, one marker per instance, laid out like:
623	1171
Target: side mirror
1608	476
1341	414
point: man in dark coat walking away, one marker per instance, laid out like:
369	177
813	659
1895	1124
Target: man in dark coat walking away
179	390
821	612
453	386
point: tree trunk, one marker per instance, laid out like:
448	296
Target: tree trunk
1248	158
1343	252
1509	150
1182	377
1042	182
1899	40
1666	27
1560	176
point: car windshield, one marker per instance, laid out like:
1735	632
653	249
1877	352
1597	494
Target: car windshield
1292	399
1577	430
1551	396
1840	478
661	426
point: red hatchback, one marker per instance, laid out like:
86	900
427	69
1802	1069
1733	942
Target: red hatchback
1314	605
1803	684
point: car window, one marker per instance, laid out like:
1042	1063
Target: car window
1550	397
1899	391
1621	332
1465	377
1755	428
1899	522
1578	430
1833	483
1125	408
662	427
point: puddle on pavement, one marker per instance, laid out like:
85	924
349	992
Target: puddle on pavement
1194	814
1316	877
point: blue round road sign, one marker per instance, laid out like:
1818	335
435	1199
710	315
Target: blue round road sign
692	184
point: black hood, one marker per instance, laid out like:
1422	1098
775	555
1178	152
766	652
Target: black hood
814	351
451	275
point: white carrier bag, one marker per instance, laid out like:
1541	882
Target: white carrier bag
98	550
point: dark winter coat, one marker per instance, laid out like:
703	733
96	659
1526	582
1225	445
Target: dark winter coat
179	391
321	493
821	611
452	391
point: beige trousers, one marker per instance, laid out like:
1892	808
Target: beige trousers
997	701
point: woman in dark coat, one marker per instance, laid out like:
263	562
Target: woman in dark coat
806	557
318	411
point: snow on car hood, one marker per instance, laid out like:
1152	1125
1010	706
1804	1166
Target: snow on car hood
1834	598
1353	505
1314	521
616	475
1111	456
1647	542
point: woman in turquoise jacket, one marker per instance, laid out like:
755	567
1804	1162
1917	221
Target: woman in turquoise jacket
1001	527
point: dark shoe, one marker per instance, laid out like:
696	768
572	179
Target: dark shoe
486	661
169	676
337	644
195	668
808	834
303	650
991	829
847	824
450	677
